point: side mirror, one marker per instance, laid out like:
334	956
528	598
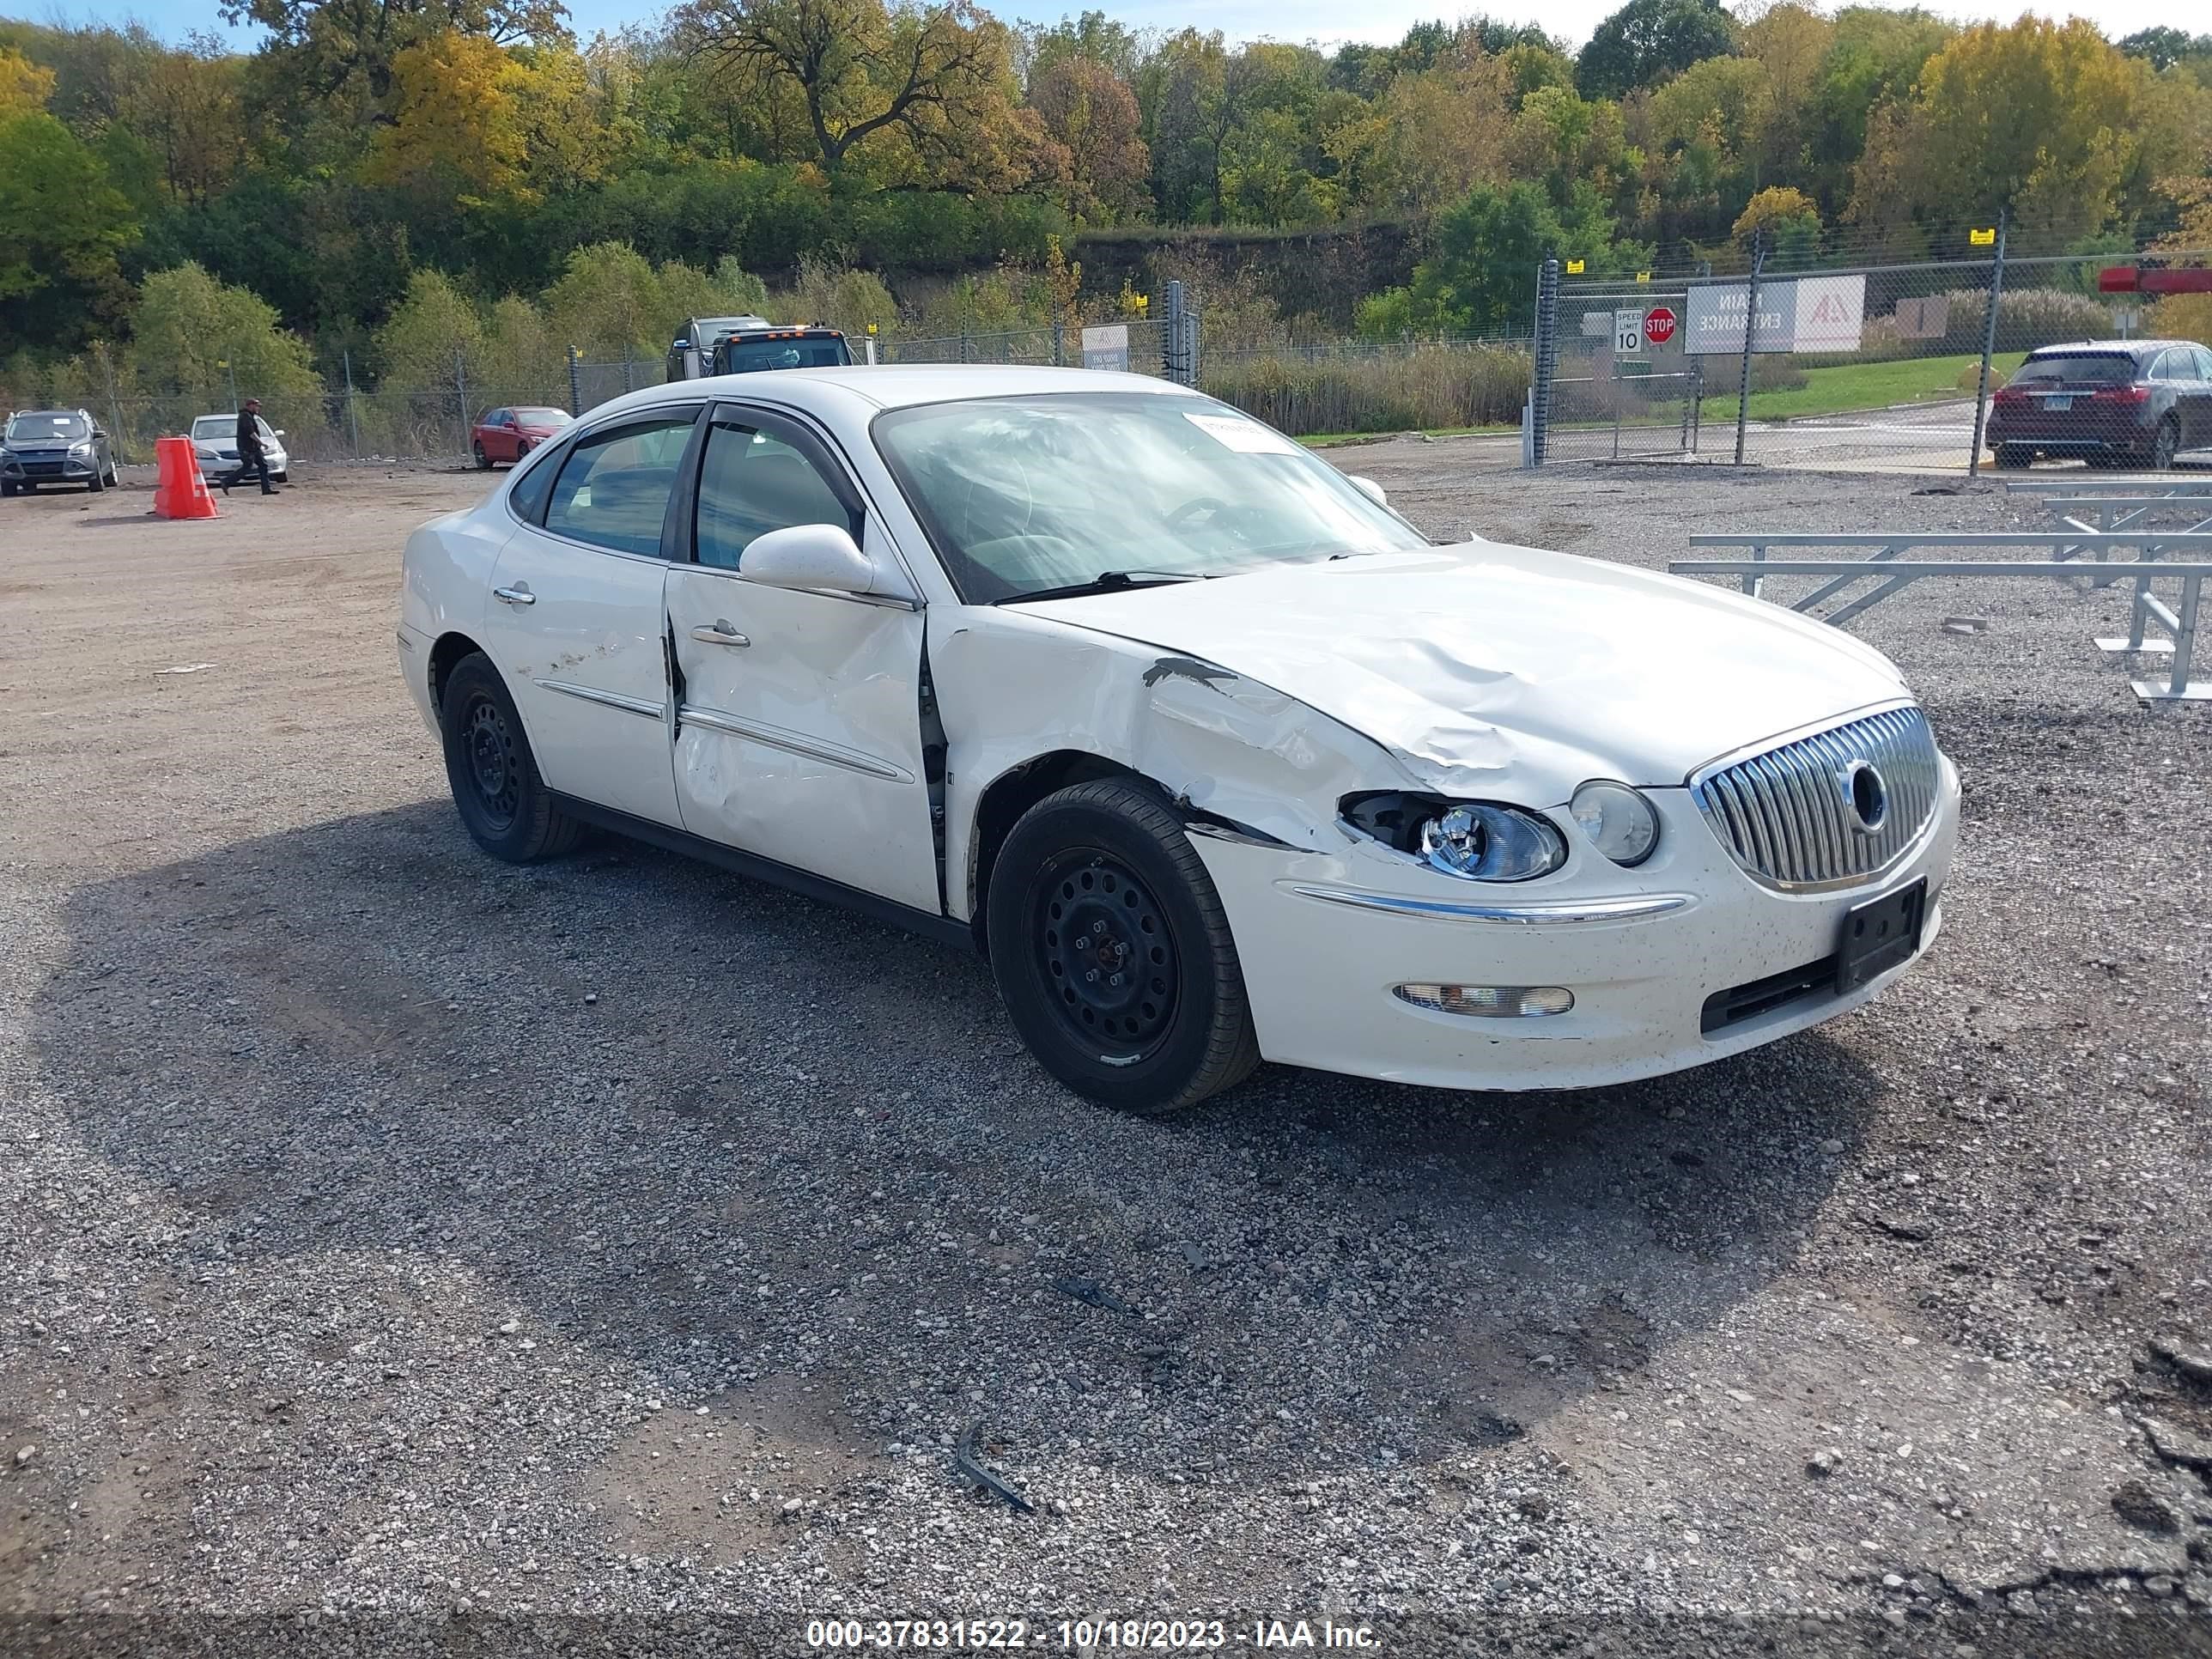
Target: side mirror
820	556
1368	487
280	431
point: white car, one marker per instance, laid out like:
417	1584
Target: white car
214	442
1209	750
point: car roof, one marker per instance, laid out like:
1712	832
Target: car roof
43	414
2106	348
859	391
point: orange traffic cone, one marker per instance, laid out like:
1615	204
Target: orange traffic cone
180	492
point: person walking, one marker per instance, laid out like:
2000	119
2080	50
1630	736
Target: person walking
252	458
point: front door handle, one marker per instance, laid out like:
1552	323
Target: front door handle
721	633
519	594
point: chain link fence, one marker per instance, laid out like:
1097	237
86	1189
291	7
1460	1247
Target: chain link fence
1880	367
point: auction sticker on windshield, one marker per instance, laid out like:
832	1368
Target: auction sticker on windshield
1245	437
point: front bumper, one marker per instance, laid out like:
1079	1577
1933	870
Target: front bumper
1324	937
65	469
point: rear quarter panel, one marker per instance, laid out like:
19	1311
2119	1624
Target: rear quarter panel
447	572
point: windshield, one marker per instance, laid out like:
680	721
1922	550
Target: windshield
541	418
2080	369
1023	495
742	357
216	426
29	428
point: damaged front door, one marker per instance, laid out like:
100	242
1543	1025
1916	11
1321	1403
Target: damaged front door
799	730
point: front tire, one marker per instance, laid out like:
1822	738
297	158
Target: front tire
502	800
97	483
1113	953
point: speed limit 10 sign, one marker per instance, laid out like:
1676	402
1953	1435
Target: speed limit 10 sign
1628	333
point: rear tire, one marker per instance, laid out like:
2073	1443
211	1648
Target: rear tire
2013	455
483	461
2164	444
1113	953
502	800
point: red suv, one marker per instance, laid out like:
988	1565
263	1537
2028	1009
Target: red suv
509	435
2139	402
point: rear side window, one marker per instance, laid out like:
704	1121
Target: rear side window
2204	363
614	485
525	496
2077	368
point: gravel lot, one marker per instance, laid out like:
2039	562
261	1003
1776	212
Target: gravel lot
383	1228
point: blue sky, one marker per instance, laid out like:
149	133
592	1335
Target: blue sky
1283	20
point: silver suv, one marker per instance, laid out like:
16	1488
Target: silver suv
54	447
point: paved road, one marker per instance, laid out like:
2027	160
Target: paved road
1910	438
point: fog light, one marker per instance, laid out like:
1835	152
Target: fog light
1489	1001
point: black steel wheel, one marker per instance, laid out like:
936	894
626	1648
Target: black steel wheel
1105	947
489	766
1112	951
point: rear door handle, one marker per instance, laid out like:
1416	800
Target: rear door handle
721	633
519	594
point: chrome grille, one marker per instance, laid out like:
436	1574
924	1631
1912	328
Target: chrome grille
1787	814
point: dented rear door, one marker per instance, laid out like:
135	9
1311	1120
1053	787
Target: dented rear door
575	621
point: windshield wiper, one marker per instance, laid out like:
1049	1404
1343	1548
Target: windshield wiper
1108	581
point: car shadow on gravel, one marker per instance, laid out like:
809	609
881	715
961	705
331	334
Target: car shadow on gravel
727	1135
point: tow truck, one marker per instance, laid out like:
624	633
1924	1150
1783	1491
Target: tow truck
744	345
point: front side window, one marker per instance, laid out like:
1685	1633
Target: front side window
1024	494
613	487
751	482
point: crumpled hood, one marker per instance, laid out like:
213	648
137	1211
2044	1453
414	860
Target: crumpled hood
1488	669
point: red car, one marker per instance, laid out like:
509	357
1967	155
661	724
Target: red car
509	435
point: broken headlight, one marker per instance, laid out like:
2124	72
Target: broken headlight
1475	839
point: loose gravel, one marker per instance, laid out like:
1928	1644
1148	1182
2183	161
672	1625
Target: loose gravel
385	1231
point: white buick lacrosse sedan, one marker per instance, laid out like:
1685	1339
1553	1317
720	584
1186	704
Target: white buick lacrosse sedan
1213	754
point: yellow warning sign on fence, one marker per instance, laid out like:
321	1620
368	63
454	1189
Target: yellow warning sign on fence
1983	236
1575	267
1643	275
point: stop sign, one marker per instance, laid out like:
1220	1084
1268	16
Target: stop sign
1659	325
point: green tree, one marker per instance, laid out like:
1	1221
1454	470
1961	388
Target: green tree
608	304
433	334
196	335
1647	40
1481	279
320	47
62	225
2047	119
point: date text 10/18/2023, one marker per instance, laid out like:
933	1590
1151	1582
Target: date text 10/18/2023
1091	1635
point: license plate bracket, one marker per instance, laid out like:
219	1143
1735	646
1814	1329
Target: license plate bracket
1880	934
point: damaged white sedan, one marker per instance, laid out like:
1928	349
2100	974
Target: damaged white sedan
1208	750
